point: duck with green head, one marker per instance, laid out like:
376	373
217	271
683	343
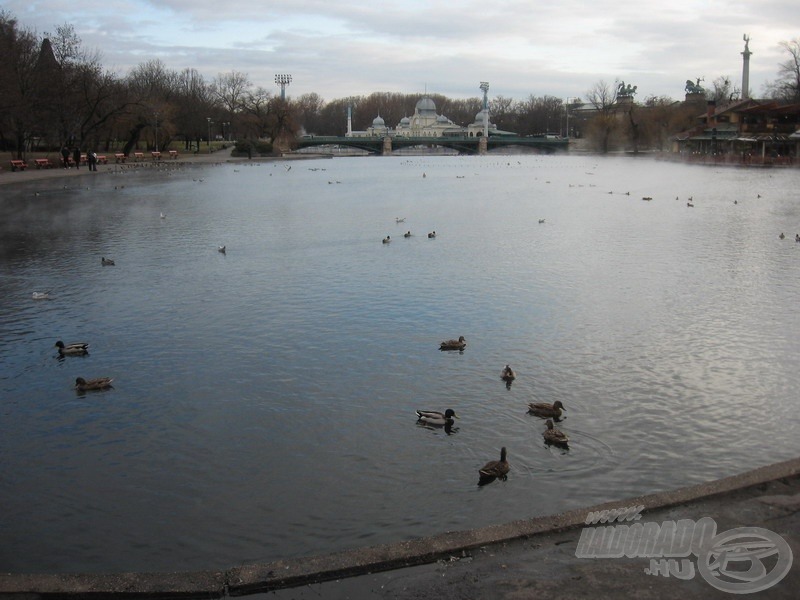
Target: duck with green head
74	349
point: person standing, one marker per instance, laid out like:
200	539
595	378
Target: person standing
65	156
76	156
91	159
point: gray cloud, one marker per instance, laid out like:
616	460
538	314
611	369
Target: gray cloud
346	48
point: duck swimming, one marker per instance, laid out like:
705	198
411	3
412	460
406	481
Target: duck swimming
554	436
508	374
494	469
106	262
101	383
458	344
387	239
72	349
545	410
436	418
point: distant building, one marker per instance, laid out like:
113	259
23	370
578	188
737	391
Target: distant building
425	122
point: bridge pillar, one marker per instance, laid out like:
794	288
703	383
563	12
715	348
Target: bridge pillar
483	145
387	146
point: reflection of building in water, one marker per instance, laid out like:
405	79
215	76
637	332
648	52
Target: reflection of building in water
425	122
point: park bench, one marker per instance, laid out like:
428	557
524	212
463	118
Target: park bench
138	155
156	155
173	154
18	164
44	163
102	159
119	156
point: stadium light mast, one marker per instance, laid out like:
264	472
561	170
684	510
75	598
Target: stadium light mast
283	80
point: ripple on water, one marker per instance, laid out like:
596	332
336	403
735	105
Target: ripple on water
263	402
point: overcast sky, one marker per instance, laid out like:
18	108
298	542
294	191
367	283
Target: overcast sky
339	48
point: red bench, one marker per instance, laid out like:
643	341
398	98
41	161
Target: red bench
173	154
119	156
102	159
138	155
44	163
156	155
18	164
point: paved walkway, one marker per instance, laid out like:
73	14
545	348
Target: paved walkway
31	174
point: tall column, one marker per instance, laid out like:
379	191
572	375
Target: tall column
746	68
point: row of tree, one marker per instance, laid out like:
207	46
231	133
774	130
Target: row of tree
54	93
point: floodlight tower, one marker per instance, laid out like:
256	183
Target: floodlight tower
485	88
283	80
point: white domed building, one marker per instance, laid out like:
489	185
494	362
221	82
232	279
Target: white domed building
425	122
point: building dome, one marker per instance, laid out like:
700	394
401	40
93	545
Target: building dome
426	106
378	122
405	121
480	117
442	119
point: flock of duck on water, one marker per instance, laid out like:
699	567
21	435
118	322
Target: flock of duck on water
498	469
407	234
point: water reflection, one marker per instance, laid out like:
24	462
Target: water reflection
309	343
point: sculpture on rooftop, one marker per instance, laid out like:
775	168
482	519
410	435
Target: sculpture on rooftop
626	90
694	88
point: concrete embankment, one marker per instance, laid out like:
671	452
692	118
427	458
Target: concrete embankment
524	559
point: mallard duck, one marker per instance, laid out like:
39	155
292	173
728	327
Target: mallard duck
555	436
508	374
407	234
387	239
76	348
432	234
458	344
436	418
101	383
545	410
221	249
494	469
781	236
106	262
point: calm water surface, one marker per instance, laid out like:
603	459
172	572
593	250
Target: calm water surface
263	401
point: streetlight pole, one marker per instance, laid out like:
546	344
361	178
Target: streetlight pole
208	140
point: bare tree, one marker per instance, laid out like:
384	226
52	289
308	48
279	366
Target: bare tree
230	90
787	86
603	97
723	91
18	83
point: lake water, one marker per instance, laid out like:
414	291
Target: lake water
263	401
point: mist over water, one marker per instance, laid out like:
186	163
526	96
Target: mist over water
263	401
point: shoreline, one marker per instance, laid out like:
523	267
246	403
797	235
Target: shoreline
32	174
529	552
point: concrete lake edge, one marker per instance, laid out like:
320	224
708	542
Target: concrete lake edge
281	574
